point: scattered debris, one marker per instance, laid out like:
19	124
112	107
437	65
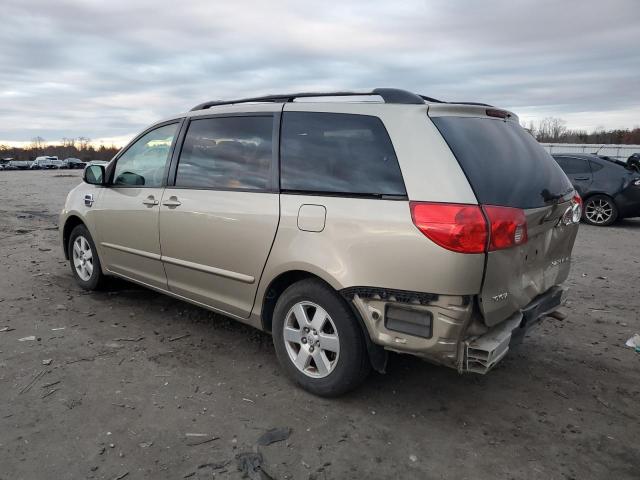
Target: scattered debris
558	314
124	405
173	339
201	441
6	329
273	435
145	444
89	359
30	338
47	361
413	458
129	339
600	277
248	400
250	464
121	476
56	329
634	342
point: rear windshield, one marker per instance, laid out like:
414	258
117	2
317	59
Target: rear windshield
505	165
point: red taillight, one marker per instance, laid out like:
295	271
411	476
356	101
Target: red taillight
577	199
508	227
460	228
463	228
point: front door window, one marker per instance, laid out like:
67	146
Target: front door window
143	164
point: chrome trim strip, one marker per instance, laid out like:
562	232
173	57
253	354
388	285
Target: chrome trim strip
213	270
133	251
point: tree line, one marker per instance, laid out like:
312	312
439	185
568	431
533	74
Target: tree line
548	130
554	130
79	147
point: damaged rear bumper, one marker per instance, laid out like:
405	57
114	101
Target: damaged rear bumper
482	353
444	329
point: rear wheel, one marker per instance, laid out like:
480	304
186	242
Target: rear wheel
600	210
318	341
83	258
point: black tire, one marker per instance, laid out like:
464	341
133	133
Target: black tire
351	364
96	280
591	216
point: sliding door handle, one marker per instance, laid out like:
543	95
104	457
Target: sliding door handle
172	202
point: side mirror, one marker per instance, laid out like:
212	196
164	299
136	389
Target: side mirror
94	175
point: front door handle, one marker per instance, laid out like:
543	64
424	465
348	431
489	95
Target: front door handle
150	201
172	202
582	178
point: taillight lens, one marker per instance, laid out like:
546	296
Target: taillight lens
508	227
460	228
576	208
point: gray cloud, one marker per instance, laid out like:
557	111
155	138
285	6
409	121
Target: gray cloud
106	69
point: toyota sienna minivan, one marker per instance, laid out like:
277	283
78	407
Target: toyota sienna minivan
346	224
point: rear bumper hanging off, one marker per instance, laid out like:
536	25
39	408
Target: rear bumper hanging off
482	353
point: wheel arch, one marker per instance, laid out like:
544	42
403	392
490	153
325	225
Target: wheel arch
377	354
71	222
275	289
594	193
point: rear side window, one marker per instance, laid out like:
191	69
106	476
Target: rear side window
338	153
572	165
227	153
503	162
595	166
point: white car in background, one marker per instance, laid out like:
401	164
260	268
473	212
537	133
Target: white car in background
45	162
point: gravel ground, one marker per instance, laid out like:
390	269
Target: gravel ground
133	375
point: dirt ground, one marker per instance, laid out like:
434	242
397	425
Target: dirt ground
135	374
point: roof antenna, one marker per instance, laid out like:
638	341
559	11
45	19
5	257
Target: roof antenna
598	151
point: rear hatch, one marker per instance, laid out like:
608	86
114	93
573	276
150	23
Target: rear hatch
507	167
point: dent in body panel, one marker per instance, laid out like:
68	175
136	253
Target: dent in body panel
515	276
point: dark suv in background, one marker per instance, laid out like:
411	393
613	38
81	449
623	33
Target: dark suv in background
610	189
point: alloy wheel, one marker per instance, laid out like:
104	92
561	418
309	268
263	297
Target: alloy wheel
311	339
598	210
82	258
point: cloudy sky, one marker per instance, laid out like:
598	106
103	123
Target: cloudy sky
106	69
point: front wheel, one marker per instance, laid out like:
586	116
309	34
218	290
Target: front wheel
318	341
600	210
83	258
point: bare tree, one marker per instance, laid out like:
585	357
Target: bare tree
83	143
37	144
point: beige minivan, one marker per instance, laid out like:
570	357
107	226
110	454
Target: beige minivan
346	224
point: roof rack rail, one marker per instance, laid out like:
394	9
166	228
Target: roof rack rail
389	95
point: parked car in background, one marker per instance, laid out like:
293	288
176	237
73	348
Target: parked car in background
97	162
18	165
610	189
45	162
324	223
72	163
